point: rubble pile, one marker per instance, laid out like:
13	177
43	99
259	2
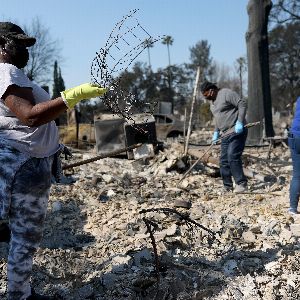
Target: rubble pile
97	244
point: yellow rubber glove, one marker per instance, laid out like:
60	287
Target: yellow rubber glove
82	92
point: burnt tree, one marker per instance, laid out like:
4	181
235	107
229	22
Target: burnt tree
259	93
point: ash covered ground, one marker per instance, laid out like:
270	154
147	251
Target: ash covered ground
96	243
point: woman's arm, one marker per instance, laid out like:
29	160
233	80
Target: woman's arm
20	101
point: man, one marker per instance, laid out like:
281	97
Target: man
229	111
29	142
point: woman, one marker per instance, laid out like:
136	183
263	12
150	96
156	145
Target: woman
294	144
28	141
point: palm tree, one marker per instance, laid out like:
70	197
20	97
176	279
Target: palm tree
168	40
149	44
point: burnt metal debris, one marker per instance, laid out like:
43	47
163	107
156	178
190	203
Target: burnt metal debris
152	227
126	42
110	154
184	217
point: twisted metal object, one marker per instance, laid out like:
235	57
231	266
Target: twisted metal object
126	42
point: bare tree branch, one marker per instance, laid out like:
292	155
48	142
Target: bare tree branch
43	54
284	11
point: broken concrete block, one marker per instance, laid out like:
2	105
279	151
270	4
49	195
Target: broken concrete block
144	151
182	203
295	229
110	193
272	265
249	237
107	178
285	234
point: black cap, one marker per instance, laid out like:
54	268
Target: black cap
10	30
207	85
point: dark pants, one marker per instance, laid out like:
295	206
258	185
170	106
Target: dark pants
232	148
294	144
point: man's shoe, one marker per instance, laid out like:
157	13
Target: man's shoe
240	188
4	233
293	211
227	189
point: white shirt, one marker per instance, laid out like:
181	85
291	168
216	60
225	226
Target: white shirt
41	141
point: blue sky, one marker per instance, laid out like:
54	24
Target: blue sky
82	27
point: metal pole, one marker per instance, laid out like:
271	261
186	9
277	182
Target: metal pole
192	110
184	129
113	153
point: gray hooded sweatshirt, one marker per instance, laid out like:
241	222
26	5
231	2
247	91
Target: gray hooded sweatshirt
227	109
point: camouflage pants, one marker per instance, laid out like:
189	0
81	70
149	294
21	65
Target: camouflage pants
29	193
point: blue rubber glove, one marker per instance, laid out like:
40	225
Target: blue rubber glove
215	136
239	127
